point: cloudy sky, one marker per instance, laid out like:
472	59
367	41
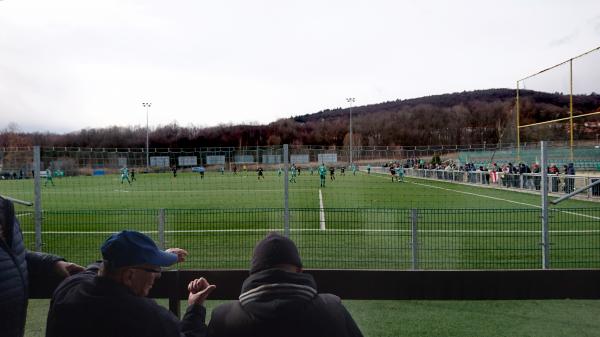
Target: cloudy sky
72	64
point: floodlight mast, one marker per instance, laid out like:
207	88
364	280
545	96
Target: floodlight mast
147	106
350	100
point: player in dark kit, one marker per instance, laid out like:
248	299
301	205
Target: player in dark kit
174	169
332	173
260	173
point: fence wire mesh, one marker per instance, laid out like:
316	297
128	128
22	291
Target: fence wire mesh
214	203
353	238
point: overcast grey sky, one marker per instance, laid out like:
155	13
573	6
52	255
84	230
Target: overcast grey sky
72	64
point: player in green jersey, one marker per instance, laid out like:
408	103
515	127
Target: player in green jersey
322	174
125	175
294	172
49	177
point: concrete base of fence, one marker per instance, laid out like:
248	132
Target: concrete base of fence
395	285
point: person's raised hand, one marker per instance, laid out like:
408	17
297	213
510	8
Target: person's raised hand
181	253
199	290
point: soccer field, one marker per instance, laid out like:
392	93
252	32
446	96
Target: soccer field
355	221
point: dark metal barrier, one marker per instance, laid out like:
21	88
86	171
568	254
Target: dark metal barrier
395	285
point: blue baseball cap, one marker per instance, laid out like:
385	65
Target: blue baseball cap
131	248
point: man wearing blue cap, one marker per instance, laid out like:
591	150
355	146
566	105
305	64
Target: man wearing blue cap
278	300
109	299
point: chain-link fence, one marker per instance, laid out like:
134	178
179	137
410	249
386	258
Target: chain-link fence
353	239
219	202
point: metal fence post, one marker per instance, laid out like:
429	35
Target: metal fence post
414	239
286	207
544	191
37	191
521	185
588	181
161	228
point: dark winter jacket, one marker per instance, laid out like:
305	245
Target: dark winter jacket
18	268
279	303
570	169
89	305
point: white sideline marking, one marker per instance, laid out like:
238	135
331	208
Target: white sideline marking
338	230
321	212
175	191
24	214
501	199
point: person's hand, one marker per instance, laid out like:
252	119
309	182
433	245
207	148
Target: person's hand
181	253
199	290
66	269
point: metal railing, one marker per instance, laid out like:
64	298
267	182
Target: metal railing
390	285
558	183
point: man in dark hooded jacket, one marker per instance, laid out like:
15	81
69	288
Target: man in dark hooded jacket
569	182
279	300
18	269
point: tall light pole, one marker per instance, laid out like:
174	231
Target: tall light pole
350	100
147	106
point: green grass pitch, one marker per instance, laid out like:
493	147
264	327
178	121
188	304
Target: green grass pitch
355	221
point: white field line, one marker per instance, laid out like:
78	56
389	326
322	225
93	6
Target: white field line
505	200
321	212
173	191
586	231
24	214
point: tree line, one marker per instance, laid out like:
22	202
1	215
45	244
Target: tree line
473	117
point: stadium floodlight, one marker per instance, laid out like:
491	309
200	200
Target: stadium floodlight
147	106
350	100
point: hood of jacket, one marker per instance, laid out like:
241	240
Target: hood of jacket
275	293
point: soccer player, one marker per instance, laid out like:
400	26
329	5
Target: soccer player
49	177
202	169
353	169
332	172
343	170
222	170
400	172
260	173
174	169
393	172
125	175
294	172
279	172
132	174
322	174
369	169
234	170
245	169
